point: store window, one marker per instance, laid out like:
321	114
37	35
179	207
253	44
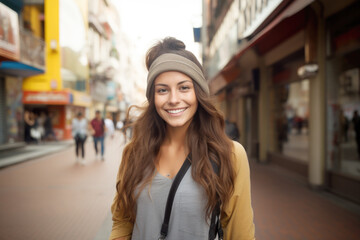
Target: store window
344	114
343	91
290	104
291	120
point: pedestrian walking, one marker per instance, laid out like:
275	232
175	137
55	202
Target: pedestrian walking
110	127
180	170
98	128
79	133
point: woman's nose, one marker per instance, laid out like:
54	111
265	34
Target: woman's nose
174	97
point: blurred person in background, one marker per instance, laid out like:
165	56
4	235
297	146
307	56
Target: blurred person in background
356	123
120	125
29	124
181	126
41	121
232	130
48	126
35	131
345	123
98	129
79	133
109	124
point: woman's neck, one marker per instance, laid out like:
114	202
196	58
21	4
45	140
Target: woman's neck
175	136
173	152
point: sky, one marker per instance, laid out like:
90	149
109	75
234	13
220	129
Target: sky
147	21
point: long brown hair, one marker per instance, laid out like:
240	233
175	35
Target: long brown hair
206	141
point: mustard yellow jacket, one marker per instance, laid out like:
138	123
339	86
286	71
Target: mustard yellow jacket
236	218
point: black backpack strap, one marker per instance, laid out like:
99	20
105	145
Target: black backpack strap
179	176
215	224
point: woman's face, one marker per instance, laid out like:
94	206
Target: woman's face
175	98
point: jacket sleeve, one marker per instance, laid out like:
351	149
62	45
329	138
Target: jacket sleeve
237	216
121	227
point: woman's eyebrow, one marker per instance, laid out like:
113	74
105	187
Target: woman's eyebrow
165	85
184	82
161	84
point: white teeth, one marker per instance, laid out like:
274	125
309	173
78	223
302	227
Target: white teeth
176	111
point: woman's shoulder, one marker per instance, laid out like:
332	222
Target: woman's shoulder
238	149
239	155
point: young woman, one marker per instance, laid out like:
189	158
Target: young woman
179	121
79	133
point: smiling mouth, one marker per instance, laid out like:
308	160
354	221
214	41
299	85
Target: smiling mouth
174	111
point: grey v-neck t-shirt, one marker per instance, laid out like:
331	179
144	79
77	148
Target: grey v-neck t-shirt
187	220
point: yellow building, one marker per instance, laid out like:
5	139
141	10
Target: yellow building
63	89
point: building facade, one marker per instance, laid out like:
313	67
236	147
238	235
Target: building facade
80	60
55	93
287	72
21	55
104	56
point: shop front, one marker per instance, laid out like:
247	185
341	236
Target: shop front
14	67
81	103
12	111
56	104
343	103
10	108
289	113
306	98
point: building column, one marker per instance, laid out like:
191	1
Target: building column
51	79
315	52
263	112
52	39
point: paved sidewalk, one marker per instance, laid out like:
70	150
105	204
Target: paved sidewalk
31	151
53	197
286	208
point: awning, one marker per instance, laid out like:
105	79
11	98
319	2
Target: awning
231	69
19	69
15	5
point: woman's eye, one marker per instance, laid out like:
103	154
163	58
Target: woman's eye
184	88
161	90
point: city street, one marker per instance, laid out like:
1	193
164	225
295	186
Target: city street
54	198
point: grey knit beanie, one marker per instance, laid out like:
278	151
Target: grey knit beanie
174	62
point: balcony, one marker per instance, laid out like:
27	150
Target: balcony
32	49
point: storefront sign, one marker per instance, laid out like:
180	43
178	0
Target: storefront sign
81	99
9	33
53	98
228	24
252	13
